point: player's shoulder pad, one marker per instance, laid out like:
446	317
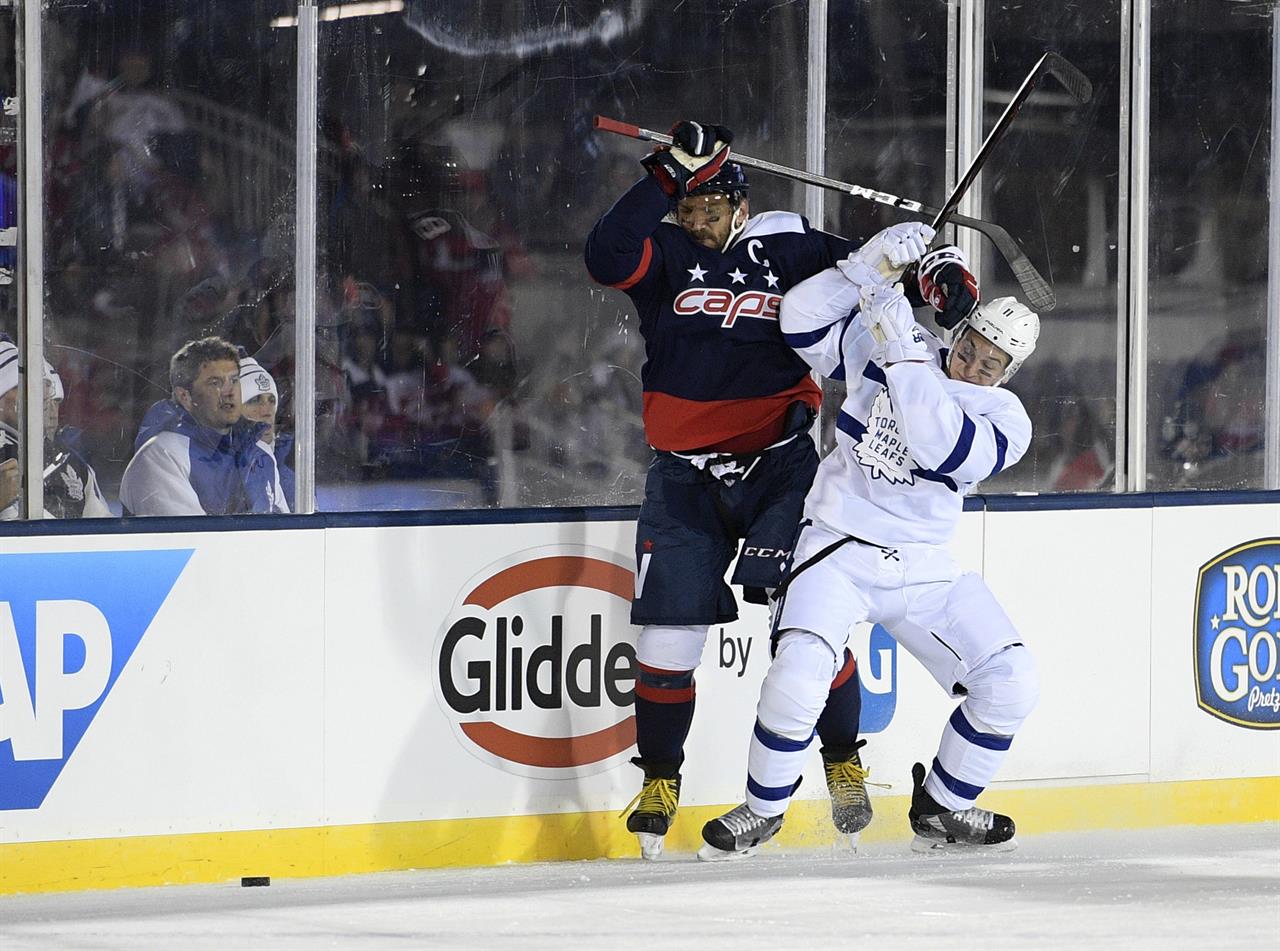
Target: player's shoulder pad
773	222
997	400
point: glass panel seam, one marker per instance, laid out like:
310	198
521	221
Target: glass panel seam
816	111
1139	140
304	394
969	121
31	251
1123	216
1272	435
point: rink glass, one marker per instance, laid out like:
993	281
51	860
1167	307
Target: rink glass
1211	172
464	359
168	203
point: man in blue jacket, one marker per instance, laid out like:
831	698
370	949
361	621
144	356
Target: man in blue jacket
194	454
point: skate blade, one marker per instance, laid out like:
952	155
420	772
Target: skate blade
938	847
848	841
650	845
709	853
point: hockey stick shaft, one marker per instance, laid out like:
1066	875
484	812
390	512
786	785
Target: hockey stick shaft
1035	286
1074	81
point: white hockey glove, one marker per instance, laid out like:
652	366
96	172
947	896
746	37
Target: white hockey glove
887	253
887	314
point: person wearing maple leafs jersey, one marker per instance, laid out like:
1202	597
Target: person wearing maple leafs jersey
70	483
921	425
727	406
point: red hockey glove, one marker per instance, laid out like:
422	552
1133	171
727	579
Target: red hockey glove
948	286
697	152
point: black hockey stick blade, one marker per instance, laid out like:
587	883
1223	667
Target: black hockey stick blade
1073	81
1037	289
1039	294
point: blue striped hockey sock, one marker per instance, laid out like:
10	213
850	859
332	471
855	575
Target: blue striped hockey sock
967	761
774	765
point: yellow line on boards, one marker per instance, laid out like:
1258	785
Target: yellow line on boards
134	861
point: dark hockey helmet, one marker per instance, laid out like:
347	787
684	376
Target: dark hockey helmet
731	180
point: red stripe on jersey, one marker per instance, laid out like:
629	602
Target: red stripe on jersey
738	426
850	665
663	694
646	258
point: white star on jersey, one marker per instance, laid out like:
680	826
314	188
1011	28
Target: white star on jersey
771	279
696	273
737	276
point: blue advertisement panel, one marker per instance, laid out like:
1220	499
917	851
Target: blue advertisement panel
1237	635
69	622
878	672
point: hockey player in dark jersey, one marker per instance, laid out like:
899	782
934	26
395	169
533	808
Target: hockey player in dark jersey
727	406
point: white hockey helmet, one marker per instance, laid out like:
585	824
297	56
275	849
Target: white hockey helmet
1009	324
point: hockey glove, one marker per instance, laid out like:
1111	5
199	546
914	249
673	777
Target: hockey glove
887	314
948	286
697	152
888	252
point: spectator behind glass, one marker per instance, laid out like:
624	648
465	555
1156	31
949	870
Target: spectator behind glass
1218	428
194	453
259	401
1080	460
70	484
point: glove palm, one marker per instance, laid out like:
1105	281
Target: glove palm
697	152
885	311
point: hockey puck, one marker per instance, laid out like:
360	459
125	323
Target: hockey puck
249	881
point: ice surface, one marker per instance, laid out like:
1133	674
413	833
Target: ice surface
1199	887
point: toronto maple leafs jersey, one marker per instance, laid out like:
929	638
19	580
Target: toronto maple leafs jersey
717	374
70	485
910	441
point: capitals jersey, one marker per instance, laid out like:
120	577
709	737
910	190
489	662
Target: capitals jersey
910	441
717	374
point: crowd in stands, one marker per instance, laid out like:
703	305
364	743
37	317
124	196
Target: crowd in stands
147	252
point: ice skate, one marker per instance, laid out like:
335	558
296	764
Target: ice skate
847	783
940	830
655	806
736	834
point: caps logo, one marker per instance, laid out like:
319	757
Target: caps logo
1237	635
535	665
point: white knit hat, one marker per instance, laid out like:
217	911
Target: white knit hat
254	381
51	376
8	366
9	371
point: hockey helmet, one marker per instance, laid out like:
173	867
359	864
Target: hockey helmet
1008	324
731	180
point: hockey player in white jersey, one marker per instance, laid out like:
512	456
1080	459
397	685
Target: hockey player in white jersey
920	426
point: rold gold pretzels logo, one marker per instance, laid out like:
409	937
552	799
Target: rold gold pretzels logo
535	666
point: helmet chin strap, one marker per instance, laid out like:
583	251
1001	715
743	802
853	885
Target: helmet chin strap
736	227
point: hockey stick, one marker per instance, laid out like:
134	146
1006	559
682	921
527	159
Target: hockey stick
1077	85
1035	286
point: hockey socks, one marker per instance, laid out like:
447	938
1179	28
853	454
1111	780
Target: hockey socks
967	761
774	764
838	724
792	698
664	713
